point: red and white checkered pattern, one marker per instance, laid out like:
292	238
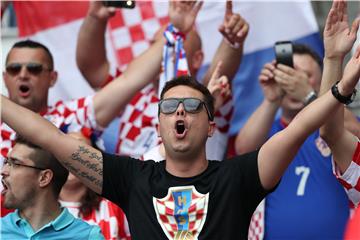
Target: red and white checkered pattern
131	30
138	123
71	116
109	217
257	223
351	178
165	211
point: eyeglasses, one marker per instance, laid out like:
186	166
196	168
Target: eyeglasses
11	164
191	105
33	68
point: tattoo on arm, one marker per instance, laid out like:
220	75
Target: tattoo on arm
96	167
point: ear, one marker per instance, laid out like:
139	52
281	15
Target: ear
45	178
53	78
198	59
158	129
212	128
5	79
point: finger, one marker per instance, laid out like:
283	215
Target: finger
231	23
330	20
281	74
238	25
340	10
286	69
243	31
222	30
267	73
357	52
229	7
217	71
355	27
195	10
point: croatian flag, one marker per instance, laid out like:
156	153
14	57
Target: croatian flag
56	24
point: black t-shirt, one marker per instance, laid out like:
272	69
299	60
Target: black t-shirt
217	204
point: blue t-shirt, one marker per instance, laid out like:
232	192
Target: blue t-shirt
309	202
65	226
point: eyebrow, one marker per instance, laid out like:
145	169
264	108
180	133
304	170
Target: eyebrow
15	160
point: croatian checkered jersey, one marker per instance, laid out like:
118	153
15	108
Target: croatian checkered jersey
68	116
351	178
109	217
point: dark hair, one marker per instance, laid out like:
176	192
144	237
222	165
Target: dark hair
32	44
193	83
45	159
302	49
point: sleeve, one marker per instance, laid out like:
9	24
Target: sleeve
76	114
95	233
119	176
350	180
247	166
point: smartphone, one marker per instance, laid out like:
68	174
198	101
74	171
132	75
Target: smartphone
284	53
120	4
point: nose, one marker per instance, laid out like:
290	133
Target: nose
23	72
180	111
4	170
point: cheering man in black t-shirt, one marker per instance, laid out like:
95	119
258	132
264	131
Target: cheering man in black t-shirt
186	196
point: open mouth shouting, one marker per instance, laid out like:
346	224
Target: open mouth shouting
180	129
5	187
24	90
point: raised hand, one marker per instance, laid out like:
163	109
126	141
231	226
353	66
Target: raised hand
338	37
272	91
99	11
234	28
351	74
182	14
219	87
293	81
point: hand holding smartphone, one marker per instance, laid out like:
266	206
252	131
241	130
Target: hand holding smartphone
284	53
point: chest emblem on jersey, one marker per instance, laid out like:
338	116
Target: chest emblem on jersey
182	212
322	147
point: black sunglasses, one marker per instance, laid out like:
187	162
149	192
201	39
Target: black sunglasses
33	68
191	105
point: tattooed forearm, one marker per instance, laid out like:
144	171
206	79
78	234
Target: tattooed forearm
78	173
71	168
91	179
84	152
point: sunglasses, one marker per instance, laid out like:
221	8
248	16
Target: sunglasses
191	105
33	68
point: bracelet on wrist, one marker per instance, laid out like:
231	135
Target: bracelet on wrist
310	97
343	99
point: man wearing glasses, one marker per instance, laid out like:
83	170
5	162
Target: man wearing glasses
186	196
32	179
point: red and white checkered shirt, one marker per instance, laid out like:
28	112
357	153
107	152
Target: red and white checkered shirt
69	116
351	178
109	217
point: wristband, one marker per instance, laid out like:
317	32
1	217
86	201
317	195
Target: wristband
343	99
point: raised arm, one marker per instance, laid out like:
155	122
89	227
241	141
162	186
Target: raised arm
255	132
80	159
338	40
276	154
90	50
234	30
111	100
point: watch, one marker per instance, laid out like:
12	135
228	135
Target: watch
343	99
310	97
